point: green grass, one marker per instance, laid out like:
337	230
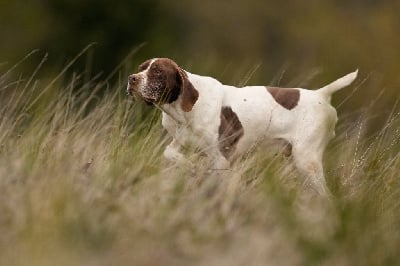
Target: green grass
83	182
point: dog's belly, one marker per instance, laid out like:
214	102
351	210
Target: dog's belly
262	133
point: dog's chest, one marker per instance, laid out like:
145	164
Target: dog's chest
185	133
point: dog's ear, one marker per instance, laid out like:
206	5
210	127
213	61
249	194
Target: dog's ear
189	94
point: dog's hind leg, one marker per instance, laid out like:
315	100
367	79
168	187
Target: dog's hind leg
309	146
308	160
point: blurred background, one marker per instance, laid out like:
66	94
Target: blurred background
285	42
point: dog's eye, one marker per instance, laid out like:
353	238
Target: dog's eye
157	71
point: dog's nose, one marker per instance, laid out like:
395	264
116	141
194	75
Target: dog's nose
132	79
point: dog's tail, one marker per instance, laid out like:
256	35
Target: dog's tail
338	84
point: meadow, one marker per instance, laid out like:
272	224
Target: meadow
83	182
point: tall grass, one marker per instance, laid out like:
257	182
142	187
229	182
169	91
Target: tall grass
83	182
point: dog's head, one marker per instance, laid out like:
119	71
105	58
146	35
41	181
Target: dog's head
161	81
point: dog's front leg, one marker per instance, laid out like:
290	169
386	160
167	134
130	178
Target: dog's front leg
172	153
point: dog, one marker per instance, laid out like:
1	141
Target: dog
225	121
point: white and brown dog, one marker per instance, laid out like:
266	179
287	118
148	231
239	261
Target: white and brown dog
226	121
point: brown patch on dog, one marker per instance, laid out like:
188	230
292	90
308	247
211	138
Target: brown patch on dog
230	131
287	98
189	93
167	81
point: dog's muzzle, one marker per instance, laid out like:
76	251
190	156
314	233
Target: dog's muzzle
132	89
133	81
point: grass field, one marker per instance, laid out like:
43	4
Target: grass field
83	182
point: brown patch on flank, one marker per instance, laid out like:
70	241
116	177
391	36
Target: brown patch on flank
229	132
287	98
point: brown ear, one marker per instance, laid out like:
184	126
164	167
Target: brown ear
189	94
